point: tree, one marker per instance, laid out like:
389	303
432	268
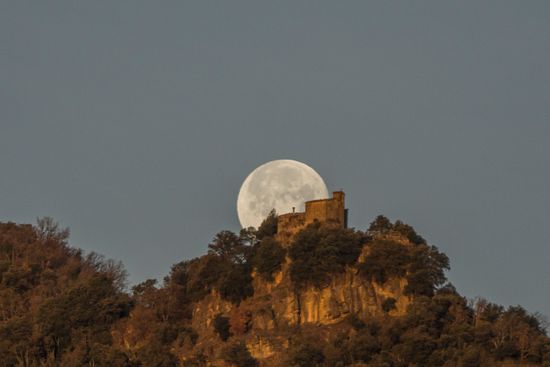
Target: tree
268	257
144	292
384	260
426	271
248	236
409	232
156	354
47	229
15	340
229	246
61	307
204	274
320	251
268	228
236	284
87	311
226	267
108	267
364	347
415	347
472	357
306	355
380	224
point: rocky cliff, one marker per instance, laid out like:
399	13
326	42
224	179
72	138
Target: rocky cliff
278	309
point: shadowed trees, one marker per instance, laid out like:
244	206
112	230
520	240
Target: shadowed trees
268	228
60	307
268	257
388	257
57	305
238	355
318	252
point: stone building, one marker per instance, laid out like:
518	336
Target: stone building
330	211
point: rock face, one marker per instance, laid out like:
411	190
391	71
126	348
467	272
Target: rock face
277	310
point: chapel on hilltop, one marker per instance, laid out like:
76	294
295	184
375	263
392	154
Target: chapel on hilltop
330	211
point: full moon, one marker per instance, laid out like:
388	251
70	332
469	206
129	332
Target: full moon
280	185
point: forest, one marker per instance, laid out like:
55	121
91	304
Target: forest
60	306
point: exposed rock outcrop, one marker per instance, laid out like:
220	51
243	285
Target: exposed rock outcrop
277	308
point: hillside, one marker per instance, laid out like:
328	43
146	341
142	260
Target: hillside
327	297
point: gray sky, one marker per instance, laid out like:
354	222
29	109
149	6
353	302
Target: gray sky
134	123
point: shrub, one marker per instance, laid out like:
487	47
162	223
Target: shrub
238	355
306	355
221	325
355	322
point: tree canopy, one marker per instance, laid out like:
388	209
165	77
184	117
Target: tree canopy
62	307
319	251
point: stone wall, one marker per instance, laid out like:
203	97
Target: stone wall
288	225
327	210
330	211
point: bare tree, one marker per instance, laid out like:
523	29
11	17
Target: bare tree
47	230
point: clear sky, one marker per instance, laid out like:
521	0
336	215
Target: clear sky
134	123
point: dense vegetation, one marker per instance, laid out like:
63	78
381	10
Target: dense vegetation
268	257
57	306
443	330
387	257
61	307
237	354
319	252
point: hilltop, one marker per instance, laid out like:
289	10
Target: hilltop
324	295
